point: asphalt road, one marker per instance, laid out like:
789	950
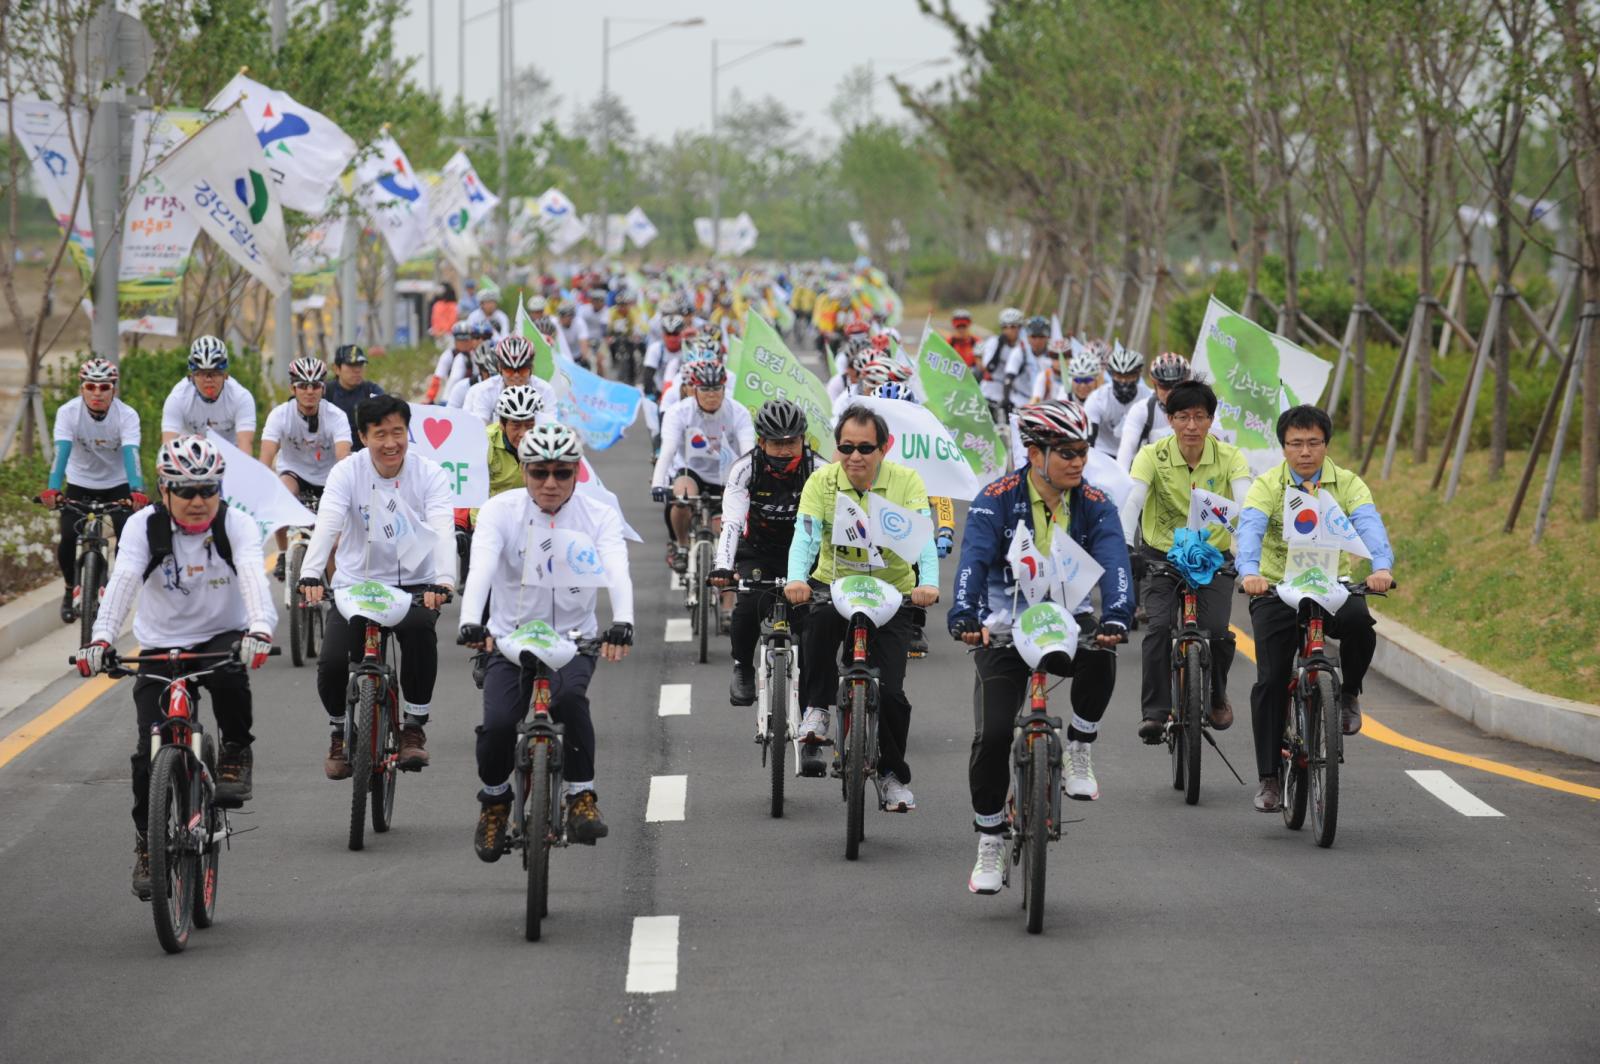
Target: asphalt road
1174	933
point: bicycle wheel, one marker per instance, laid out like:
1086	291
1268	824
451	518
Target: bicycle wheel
538	840
855	773
314	631
385	777
360	752
91	574
707	603
172	860
1292	774
210	871
1036	832
299	616
1324	739
778	726
1194	699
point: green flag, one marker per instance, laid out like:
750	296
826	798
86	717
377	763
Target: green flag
764	368
952	393
544	359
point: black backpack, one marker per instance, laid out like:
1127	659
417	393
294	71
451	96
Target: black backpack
994	359
159	534
1149	418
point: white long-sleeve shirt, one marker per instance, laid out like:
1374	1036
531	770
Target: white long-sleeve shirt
507	526
693	439
356	496
452	366
193	595
187	412
1022	366
996	351
481	397
1109	414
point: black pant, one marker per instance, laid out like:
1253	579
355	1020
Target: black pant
67	549
751	607
343	643
1277	638
825	632
998	693
1161	599
507	693
230	704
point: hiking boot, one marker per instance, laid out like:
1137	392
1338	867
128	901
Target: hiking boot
742	691
141	866
491	836
583	819
1221	714
336	766
69	613
1269	799
917	647
412	754
233	775
1152	730
280	567
1350	713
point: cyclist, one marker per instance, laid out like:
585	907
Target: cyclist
209	399
1304	432
507	525
485	364
97	460
575	331
861	437
962	338
350	385
1048	383
996	354
364	503
758	514
694	432
514	359
660	351
489	314
455	362
1026	362
312	434
1147	421
1083	373
1052	498
1109	405
1165	474
195	568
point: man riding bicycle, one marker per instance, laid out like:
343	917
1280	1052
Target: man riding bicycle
97	460
1051	497
455	362
861	437
195	568
509	525
1304	432
514	356
1165	475
1109	405
366	505
694	432
209	399
307	435
996	353
1147	421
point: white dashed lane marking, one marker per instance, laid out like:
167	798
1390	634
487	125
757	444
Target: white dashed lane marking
1451	793
674	700
678	630
668	796
653	955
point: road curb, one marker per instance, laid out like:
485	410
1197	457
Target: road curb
29	618
1486	699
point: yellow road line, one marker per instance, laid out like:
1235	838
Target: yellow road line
1377	730
14	744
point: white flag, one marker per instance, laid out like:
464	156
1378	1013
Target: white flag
1302	518
917	439
304	152
1313	572
559	219
54	139
395	198
255	491
394	523
895	528
479	200
641	230
213	174
850	529
1030	567
1208	508
561	557
1338	530
1076	571
858	237
322	246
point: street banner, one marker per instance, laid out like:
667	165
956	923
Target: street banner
558	217
735	236
917	440
304	152
55	140
858	237
317	255
599	410
158	234
213	174
255	491
476	197
456	440
763	368
395	198
450	220
951	392
641	230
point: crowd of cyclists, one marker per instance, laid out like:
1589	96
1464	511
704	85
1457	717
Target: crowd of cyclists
193	574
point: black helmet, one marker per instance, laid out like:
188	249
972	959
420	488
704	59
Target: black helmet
1038	325
780	419
349	355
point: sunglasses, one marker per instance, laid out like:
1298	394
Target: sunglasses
99	387
1084	380
196	491
857	448
309	386
559	473
1073	454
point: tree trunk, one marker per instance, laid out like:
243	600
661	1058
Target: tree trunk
1502	339
1424	366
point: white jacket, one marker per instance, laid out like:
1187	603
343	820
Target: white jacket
695	440
353	512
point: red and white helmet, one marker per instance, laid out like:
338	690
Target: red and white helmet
1170	368
708	374
514	352
1052	423
190	460
98	371
307	371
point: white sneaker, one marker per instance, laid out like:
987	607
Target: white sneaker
897	797
988	875
1081	783
814	726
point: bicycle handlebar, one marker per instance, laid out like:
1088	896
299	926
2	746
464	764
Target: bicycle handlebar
88	506
114	662
1360	590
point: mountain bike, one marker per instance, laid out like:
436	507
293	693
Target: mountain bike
187	830
705	616
305	620
1189	724
372	702
778	691
95	557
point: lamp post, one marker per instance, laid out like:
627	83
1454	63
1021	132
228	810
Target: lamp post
873	79
761	48
606	48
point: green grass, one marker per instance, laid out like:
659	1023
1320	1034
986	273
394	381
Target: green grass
403	370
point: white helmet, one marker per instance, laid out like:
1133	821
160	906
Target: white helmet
1125	360
1010	317
1083	364
207	352
549	443
520	402
189	460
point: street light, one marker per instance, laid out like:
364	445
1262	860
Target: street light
872	79
606	48
761	48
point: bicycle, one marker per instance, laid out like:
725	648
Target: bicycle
539	801
704	612
95	557
305	620
187	829
1189	723
778	691
865	602
1313	731
372	703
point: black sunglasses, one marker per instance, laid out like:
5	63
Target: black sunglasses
1073	454
196	491
561	473
857	448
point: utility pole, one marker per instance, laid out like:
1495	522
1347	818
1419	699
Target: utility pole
282	302
503	142
431	48
762	47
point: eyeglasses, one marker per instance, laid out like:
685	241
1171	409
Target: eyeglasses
857	448
1190	419
1072	454
99	387
308	386
196	491
558	473
1304	445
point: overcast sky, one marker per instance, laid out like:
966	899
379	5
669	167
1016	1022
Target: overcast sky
665	80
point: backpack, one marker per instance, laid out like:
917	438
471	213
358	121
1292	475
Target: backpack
159	534
1149	418
994	358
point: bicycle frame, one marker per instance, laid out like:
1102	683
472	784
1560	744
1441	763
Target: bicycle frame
538	728
375	662
1034	724
1311	659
